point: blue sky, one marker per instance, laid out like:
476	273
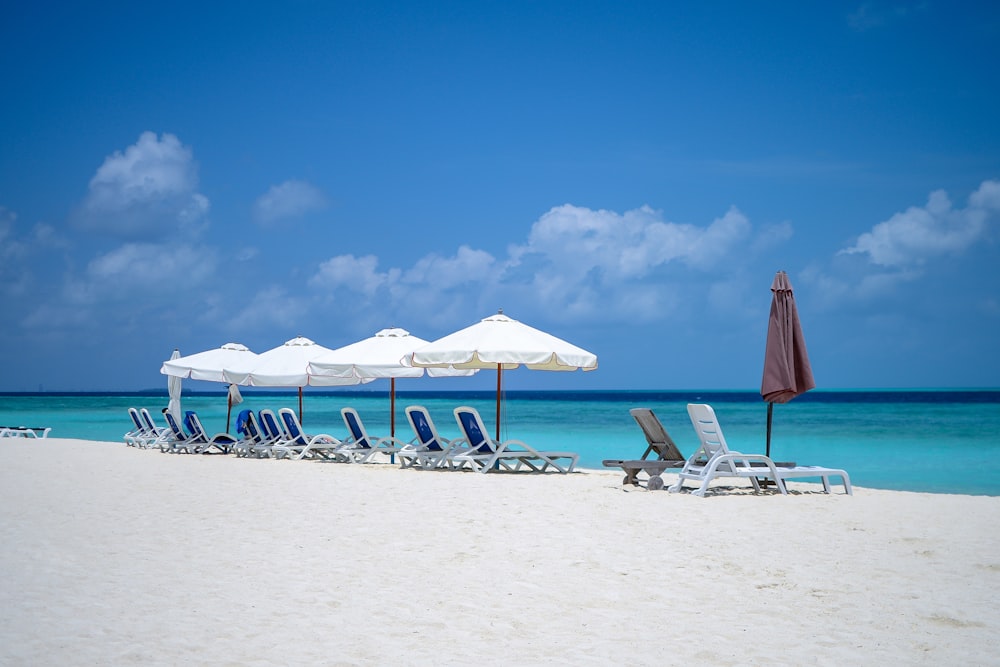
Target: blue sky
625	175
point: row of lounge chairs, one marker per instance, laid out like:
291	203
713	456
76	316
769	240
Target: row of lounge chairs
266	434
712	460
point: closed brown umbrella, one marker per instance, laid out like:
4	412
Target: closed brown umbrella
787	372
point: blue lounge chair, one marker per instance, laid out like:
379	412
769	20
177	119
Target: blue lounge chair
301	446
205	444
429	450
177	439
485	454
359	447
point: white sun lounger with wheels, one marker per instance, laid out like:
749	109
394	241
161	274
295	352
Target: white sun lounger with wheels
714	460
359	447
486	454
430	449
302	446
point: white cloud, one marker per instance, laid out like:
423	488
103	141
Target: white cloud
10	246
575	262
148	190
269	308
290	199
919	233
137	267
465	267
574	241
358	274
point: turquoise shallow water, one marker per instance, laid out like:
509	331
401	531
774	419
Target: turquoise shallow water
930	441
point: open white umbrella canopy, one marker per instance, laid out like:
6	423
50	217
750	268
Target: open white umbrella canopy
286	366
209	365
379	356
503	343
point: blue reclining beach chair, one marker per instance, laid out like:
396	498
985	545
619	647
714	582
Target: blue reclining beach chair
176	440
359	447
301	446
486	454
221	441
429	450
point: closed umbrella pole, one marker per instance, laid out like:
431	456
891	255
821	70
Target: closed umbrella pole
787	371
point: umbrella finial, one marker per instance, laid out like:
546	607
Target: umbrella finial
499	311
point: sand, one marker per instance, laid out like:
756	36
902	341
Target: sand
114	555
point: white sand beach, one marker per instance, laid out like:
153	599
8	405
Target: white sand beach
113	555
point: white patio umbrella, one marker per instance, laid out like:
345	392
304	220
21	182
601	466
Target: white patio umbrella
380	356
174	390
210	366
285	366
500	342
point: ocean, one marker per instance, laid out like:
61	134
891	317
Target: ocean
927	441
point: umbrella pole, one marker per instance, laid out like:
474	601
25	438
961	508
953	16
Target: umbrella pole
392	407
229	409
770	411
499	376
300	405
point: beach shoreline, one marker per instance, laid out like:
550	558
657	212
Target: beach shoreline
115	555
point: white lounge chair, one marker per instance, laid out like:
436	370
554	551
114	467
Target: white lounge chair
486	454
24	431
205	443
715	460
138	429
301	446
359	447
176	439
153	433
429	449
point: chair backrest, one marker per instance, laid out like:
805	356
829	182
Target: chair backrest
175	428
272	427
475	431
194	425
148	419
134	415
658	439
354	426
292	426
253	429
422	425
706	425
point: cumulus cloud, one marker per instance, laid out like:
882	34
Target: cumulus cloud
290	199
575	261
359	274
146	191
138	267
269	307
874	15
921	233
575	241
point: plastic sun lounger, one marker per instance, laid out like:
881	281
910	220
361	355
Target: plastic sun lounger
301	446
659	442
486	454
176	440
715	460
429	449
205	444
359	447
24	431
